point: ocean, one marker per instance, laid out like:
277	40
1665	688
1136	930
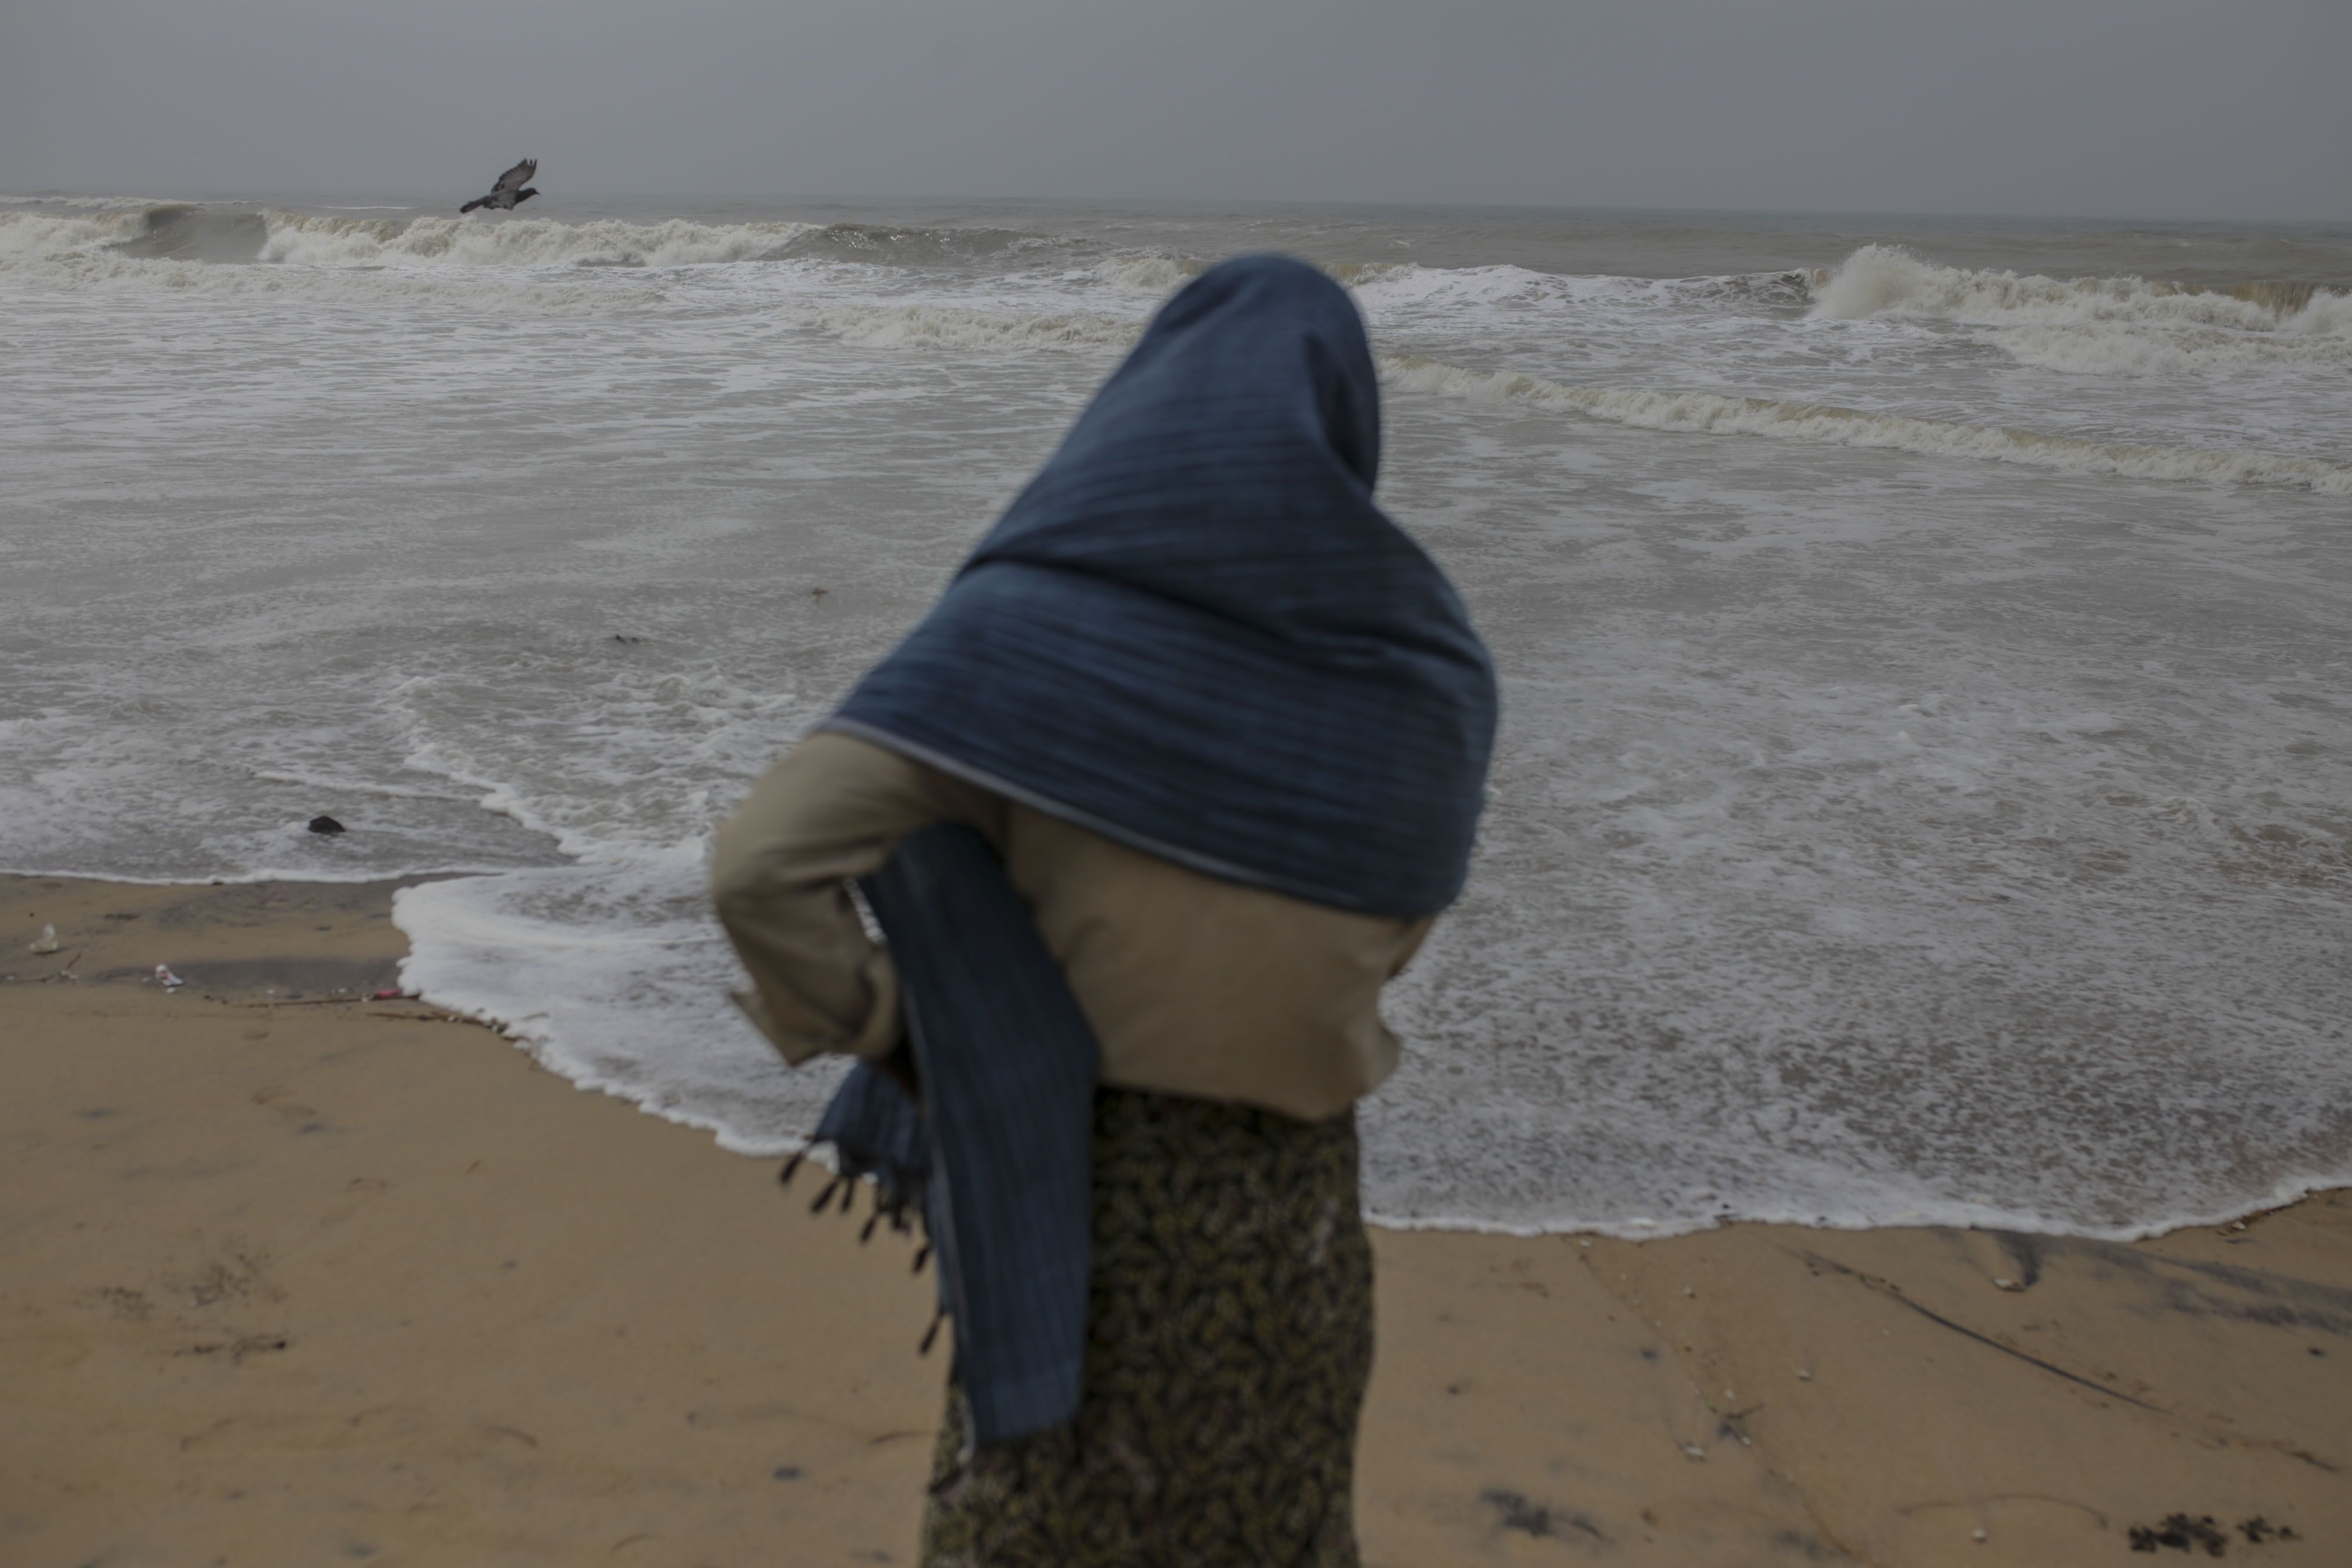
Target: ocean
1925	791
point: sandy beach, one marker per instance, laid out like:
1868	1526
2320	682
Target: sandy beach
294	1277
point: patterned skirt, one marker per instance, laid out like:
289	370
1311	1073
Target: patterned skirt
1230	1338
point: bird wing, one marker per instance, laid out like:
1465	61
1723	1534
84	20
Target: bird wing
516	178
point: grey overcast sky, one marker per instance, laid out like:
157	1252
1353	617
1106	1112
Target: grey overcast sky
2083	107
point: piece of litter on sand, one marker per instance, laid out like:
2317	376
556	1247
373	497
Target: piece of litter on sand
391	996
48	940
168	980
1978	1535
1693	1451
2002	1282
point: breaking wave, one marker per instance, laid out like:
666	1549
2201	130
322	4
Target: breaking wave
175	232
187	232
1832	425
2099	325
1880	279
1152	274
33	235
318	240
1892	280
159	231
97	258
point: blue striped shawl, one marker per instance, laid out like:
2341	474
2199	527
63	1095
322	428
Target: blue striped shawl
1194	631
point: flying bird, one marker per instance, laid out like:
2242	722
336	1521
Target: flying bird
513	186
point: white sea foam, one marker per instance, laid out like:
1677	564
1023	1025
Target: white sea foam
1151	274
2328	314
960	327
2107	350
1827	424
1404	285
520	242
521	293
1879	279
331	240
571	964
81	254
1390	285
35	234
2189	327
2101	326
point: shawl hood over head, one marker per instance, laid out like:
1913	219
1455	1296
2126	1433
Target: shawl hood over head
1195	632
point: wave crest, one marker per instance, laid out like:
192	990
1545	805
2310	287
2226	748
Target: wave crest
189	231
2100	326
1881	279
332	241
32	235
1151	274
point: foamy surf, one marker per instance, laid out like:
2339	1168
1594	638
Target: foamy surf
574	963
928	326
2106	351
2101	326
1830	424
486	296
568	963
1150	274
1880	279
318	240
339	239
25	236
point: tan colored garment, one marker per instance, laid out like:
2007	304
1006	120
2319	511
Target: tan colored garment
1193	985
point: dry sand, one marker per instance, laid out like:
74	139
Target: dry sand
290	1279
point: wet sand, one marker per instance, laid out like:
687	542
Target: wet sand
292	1277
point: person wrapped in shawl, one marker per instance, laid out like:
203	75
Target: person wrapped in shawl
1169	782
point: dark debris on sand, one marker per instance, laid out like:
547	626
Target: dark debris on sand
1514	1512
2184	1532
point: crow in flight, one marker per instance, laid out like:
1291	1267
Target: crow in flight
513	186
